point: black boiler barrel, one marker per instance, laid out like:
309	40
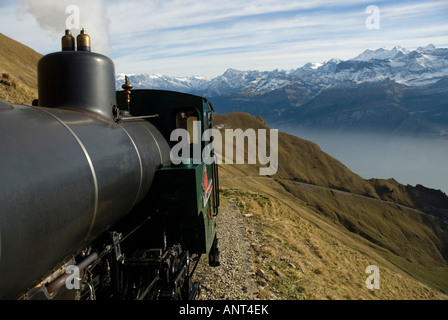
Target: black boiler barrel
66	176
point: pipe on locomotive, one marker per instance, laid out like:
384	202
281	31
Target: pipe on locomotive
55	285
82	41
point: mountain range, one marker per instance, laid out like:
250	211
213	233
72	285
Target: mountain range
387	90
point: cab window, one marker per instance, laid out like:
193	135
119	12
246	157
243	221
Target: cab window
188	120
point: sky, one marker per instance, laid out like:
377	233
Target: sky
182	38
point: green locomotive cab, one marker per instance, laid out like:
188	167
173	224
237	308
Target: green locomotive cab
188	189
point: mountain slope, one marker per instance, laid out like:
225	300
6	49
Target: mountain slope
18	71
344	225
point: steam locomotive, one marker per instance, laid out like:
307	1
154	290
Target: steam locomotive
92	205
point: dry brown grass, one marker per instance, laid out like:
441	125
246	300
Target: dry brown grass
18	71
14	91
307	257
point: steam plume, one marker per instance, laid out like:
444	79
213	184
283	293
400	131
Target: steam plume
52	15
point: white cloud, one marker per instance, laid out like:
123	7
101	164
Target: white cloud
52	16
221	31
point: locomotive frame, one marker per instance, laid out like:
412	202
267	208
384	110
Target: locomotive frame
91	207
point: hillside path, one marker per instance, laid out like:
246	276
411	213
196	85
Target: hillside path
235	278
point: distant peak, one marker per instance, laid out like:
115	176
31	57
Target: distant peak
382	54
398	47
313	65
429	47
334	60
232	71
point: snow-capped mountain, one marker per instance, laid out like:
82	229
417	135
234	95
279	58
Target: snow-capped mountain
158	81
231	81
382	54
420	67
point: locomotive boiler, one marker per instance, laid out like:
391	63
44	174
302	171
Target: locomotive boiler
91	205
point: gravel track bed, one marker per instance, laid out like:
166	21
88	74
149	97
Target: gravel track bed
235	278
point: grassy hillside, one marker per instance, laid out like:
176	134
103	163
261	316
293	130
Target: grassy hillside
18	71
316	226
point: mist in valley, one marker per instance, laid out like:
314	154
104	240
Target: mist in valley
409	160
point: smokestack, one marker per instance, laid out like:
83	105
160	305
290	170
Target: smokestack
81	80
